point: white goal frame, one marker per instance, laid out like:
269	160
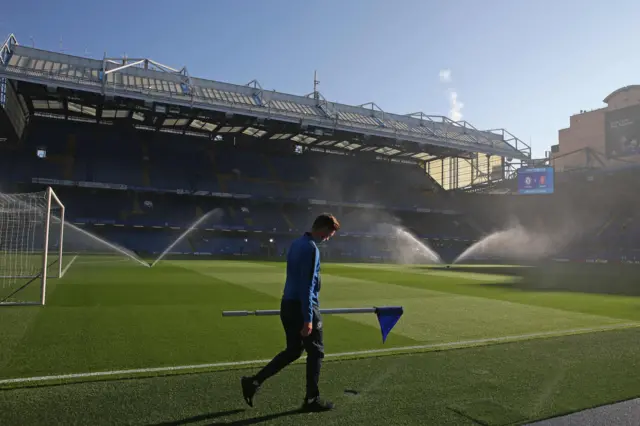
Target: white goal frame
50	199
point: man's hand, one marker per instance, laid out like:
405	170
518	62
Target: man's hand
306	329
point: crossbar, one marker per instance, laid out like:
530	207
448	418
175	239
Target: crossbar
322	311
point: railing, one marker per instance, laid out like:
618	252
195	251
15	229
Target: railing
479	141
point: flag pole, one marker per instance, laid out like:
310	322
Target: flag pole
388	316
322	311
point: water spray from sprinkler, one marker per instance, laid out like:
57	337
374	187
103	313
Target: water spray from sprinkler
217	212
104	242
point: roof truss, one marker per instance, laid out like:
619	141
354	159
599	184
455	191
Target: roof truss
164	87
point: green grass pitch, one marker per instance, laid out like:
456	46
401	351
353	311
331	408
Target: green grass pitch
472	348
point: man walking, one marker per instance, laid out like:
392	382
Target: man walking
300	315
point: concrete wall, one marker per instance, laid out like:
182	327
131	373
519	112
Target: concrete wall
587	130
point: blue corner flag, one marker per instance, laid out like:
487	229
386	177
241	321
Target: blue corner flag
388	317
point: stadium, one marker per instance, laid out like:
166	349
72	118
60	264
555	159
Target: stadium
139	202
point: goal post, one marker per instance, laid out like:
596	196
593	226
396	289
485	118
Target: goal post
31	245
51	200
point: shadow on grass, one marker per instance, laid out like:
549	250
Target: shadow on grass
610	279
261	419
211	416
200	418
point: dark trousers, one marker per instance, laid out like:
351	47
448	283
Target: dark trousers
292	321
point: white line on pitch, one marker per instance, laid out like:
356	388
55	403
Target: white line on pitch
66	268
447	345
132	371
463	343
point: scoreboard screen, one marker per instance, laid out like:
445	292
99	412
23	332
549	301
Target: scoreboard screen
535	180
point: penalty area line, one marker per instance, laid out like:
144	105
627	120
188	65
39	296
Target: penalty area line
66	268
400	350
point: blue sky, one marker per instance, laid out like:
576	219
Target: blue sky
524	65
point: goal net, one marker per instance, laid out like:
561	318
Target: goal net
31	242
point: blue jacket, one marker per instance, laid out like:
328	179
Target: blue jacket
303	274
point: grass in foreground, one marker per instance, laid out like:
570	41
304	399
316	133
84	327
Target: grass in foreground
502	384
111	315
117	315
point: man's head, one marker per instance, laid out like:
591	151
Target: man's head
324	227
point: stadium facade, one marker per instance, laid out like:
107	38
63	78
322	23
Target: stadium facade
602	138
138	151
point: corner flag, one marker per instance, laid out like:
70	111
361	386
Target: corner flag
388	317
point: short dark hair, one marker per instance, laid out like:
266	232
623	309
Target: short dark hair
326	221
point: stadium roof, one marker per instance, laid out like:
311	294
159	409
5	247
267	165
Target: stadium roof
165	87
620	90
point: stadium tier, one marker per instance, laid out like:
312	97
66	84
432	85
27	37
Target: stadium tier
79	152
139	151
122	181
143	189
